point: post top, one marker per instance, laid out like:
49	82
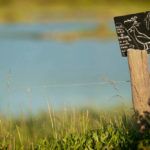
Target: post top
133	32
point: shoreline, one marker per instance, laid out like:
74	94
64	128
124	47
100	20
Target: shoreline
19	13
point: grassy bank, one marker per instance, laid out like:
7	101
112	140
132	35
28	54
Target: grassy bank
101	32
45	11
76	129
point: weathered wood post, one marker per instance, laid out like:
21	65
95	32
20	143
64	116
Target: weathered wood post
134	38
140	80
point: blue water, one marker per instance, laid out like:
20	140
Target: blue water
34	72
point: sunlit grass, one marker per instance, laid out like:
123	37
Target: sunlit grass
32	11
73	129
102	32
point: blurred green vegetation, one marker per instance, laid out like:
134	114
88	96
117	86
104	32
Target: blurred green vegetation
73	129
102	32
47	10
45	2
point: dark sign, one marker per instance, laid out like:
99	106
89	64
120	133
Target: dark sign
133	32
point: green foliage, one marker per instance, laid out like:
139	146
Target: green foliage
73	130
6	2
70	2
42	10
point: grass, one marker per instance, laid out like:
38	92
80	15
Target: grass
32	11
76	129
102	32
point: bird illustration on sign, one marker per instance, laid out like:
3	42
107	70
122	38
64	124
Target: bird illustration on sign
133	31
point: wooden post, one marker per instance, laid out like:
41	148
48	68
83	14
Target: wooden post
140	82
132	31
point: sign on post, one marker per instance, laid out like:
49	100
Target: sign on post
134	39
133	32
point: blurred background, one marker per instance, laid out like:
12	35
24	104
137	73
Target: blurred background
64	53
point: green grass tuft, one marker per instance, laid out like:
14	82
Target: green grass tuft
82	129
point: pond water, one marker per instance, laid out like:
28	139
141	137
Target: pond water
34	72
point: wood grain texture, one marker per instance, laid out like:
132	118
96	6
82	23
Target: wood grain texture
140	80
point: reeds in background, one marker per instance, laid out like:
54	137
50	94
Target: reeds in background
31	11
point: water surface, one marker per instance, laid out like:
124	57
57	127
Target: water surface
34	71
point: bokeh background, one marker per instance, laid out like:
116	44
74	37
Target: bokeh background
64	53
